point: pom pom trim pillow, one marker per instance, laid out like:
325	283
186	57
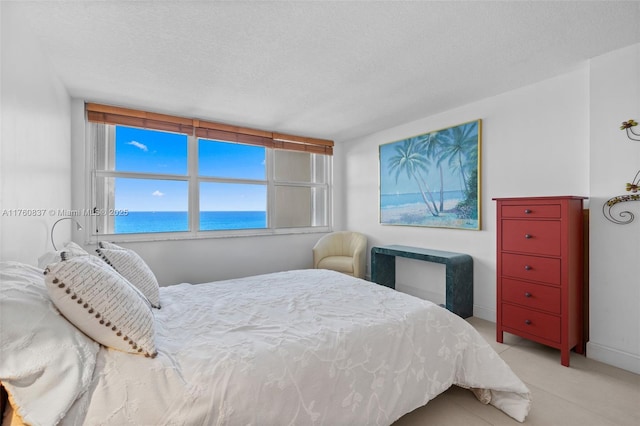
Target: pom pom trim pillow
103	304
131	266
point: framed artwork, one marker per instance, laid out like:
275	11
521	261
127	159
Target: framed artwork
433	179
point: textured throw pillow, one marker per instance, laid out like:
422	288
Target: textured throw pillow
131	266
103	304
110	246
45	362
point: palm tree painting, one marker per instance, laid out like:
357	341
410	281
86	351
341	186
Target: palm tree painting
433	179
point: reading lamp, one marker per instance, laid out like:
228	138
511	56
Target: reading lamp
78	227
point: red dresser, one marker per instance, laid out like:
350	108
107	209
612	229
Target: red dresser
540	271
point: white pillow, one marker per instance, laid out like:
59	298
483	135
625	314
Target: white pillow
103	304
72	249
110	246
45	362
131	266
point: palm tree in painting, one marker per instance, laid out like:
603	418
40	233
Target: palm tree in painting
459	149
433	144
411	158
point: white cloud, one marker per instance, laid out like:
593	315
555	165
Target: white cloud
137	144
157	193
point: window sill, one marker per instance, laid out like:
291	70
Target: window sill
181	236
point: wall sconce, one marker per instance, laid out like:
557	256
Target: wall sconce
627	125
78	227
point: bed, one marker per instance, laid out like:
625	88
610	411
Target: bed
302	347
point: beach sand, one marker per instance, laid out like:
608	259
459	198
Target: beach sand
417	214
417	210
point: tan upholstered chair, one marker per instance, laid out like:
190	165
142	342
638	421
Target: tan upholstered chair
342	251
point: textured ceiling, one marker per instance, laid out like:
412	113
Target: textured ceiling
334	70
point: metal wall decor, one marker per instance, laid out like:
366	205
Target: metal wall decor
628	126
624	216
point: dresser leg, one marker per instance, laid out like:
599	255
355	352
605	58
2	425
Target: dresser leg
499	336
564	357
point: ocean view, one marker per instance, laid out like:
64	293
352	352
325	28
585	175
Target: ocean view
178	221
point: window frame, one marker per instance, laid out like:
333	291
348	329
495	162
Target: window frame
193	180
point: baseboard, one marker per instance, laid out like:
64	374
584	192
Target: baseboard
484	313
620	359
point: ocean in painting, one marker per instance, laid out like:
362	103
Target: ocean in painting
392	201
135	222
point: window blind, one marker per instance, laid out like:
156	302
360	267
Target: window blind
107	114
130	117
301	143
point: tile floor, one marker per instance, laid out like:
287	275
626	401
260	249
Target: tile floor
589	393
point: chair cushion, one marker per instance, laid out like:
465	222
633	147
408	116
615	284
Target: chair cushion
337	263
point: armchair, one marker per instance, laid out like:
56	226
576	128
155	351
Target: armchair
342	251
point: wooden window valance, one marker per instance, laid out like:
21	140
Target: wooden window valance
130	117
301	143
205	129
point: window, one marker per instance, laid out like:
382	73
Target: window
233	185
196	181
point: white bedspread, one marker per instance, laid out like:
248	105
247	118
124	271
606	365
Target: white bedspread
307	347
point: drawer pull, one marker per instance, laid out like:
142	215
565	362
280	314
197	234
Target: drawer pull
528	322
527	211
527	267
527	294
527	236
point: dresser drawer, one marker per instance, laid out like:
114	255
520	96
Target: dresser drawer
534	268
532	211
531	236
531	295
539	324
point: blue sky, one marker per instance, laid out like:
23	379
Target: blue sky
149	151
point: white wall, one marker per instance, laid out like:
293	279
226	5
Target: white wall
35	161
614	249
198	261
534	142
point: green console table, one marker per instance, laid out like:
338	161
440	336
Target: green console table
458	269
